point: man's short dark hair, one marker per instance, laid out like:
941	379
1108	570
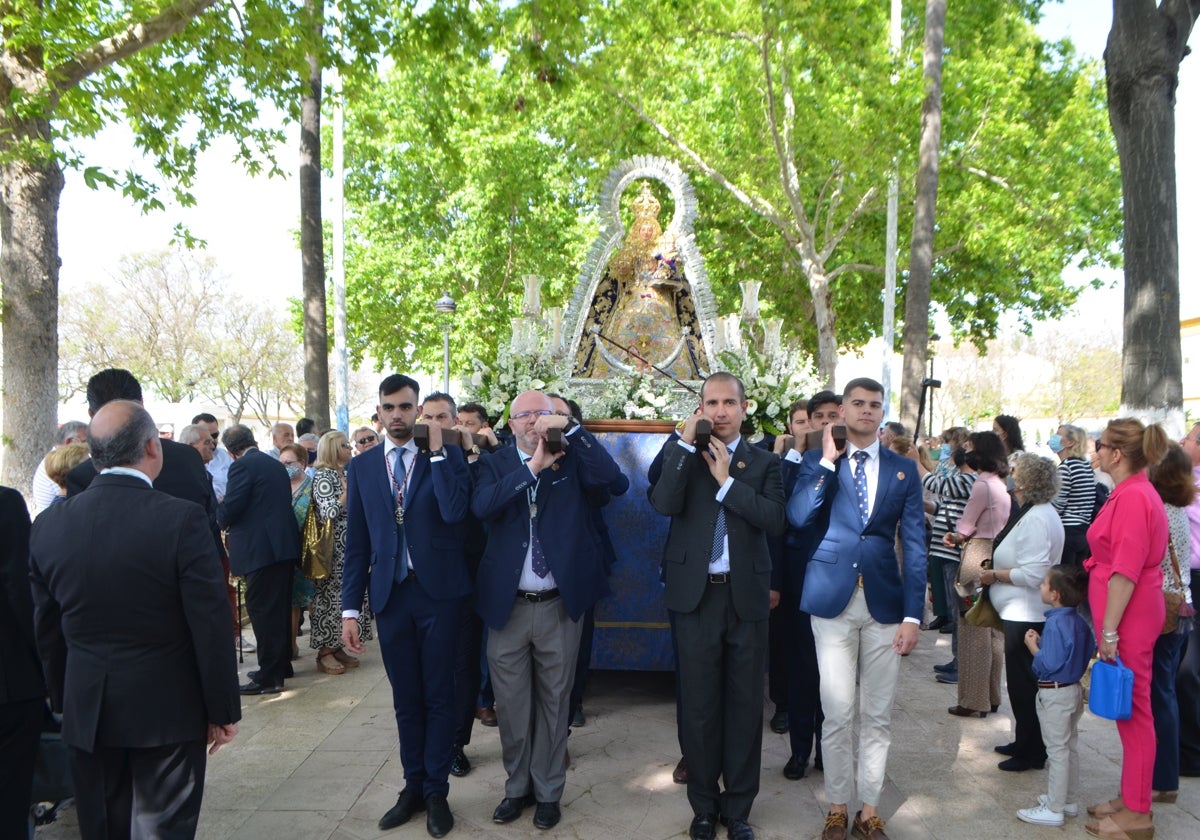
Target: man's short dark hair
439	396
398	382
798	405
866	383
238	438
476	409
1070	582
822	398
112	384
572	407
896	428
204	418
305	426
724	376
124	447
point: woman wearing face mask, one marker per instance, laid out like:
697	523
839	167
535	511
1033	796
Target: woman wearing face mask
1077	491
294	458
329	495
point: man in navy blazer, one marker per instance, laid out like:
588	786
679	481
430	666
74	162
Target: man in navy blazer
264	548
866	610
404	545
543	567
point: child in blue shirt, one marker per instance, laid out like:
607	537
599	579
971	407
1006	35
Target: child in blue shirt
1060	657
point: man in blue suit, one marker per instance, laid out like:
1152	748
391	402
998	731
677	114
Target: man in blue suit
404	541
542	569
866	610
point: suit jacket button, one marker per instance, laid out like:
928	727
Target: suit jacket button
862	536
524	545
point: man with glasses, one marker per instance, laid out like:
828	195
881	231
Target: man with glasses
364	439
218	464
542	569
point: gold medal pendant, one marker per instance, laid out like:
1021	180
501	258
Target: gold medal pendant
399	515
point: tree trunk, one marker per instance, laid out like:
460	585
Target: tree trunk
916	296
312	240
29	199
826	318
1141	62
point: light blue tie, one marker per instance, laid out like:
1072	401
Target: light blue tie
860	483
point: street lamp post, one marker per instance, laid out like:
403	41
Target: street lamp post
446	307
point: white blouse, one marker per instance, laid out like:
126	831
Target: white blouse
1028	551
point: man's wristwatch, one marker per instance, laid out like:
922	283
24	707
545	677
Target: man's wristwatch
438	453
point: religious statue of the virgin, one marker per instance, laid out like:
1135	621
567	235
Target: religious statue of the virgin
643	304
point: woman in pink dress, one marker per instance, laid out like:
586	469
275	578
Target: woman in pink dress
1128	540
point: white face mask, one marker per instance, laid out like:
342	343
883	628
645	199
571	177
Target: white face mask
293	470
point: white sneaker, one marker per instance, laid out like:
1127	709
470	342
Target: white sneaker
1068	810
1041	815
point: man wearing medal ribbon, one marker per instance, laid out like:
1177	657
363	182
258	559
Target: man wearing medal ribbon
543	567
404	541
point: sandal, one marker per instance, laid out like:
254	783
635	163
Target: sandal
1116	826
346	659
1106	809
327	664
1167	797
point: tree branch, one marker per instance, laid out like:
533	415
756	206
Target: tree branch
135	37
788	176
835	240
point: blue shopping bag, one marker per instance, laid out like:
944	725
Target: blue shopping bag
1111	693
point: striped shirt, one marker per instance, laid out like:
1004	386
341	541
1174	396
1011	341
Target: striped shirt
952	489
1076	497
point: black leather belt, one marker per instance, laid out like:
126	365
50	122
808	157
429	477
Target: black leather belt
538	595
720	577
1056	685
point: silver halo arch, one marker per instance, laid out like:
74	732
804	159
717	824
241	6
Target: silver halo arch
612	232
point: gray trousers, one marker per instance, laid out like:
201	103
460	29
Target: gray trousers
1058	711
532	665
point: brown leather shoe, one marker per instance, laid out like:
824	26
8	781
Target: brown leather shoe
1166	797
835	826
326	664
868	829
679	777
346	659
486	716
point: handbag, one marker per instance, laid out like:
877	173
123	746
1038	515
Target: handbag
967	589
1111	693
316	545
983	613
1176	604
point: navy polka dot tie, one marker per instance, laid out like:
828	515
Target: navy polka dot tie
860	483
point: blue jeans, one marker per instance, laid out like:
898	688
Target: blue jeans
1167	651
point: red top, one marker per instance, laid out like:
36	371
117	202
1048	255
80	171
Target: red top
1130	534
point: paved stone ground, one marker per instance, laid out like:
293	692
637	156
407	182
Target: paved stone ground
319	762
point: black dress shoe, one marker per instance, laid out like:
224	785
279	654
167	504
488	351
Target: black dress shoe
819	761
438	819
703	827
1017	765
679	775
740	830
794	769
779	721
546	815
963	711
511	807
578	719
947	678
950	667
938	623
459	765
253	687
1006	749
287	674
407	804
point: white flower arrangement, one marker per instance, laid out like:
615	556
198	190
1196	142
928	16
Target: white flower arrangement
773	381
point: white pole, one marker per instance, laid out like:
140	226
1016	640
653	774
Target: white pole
889	269
341	379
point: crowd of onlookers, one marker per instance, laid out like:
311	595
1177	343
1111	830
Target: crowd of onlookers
1079	547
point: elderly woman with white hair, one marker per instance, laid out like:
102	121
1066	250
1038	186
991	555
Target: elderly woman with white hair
1022	555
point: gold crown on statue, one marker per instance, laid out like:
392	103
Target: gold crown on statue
646	206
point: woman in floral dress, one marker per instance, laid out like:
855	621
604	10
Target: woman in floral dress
329	497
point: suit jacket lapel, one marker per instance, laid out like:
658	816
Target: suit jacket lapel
884	486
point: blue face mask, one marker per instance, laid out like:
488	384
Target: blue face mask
1055	443
293	470
945	451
